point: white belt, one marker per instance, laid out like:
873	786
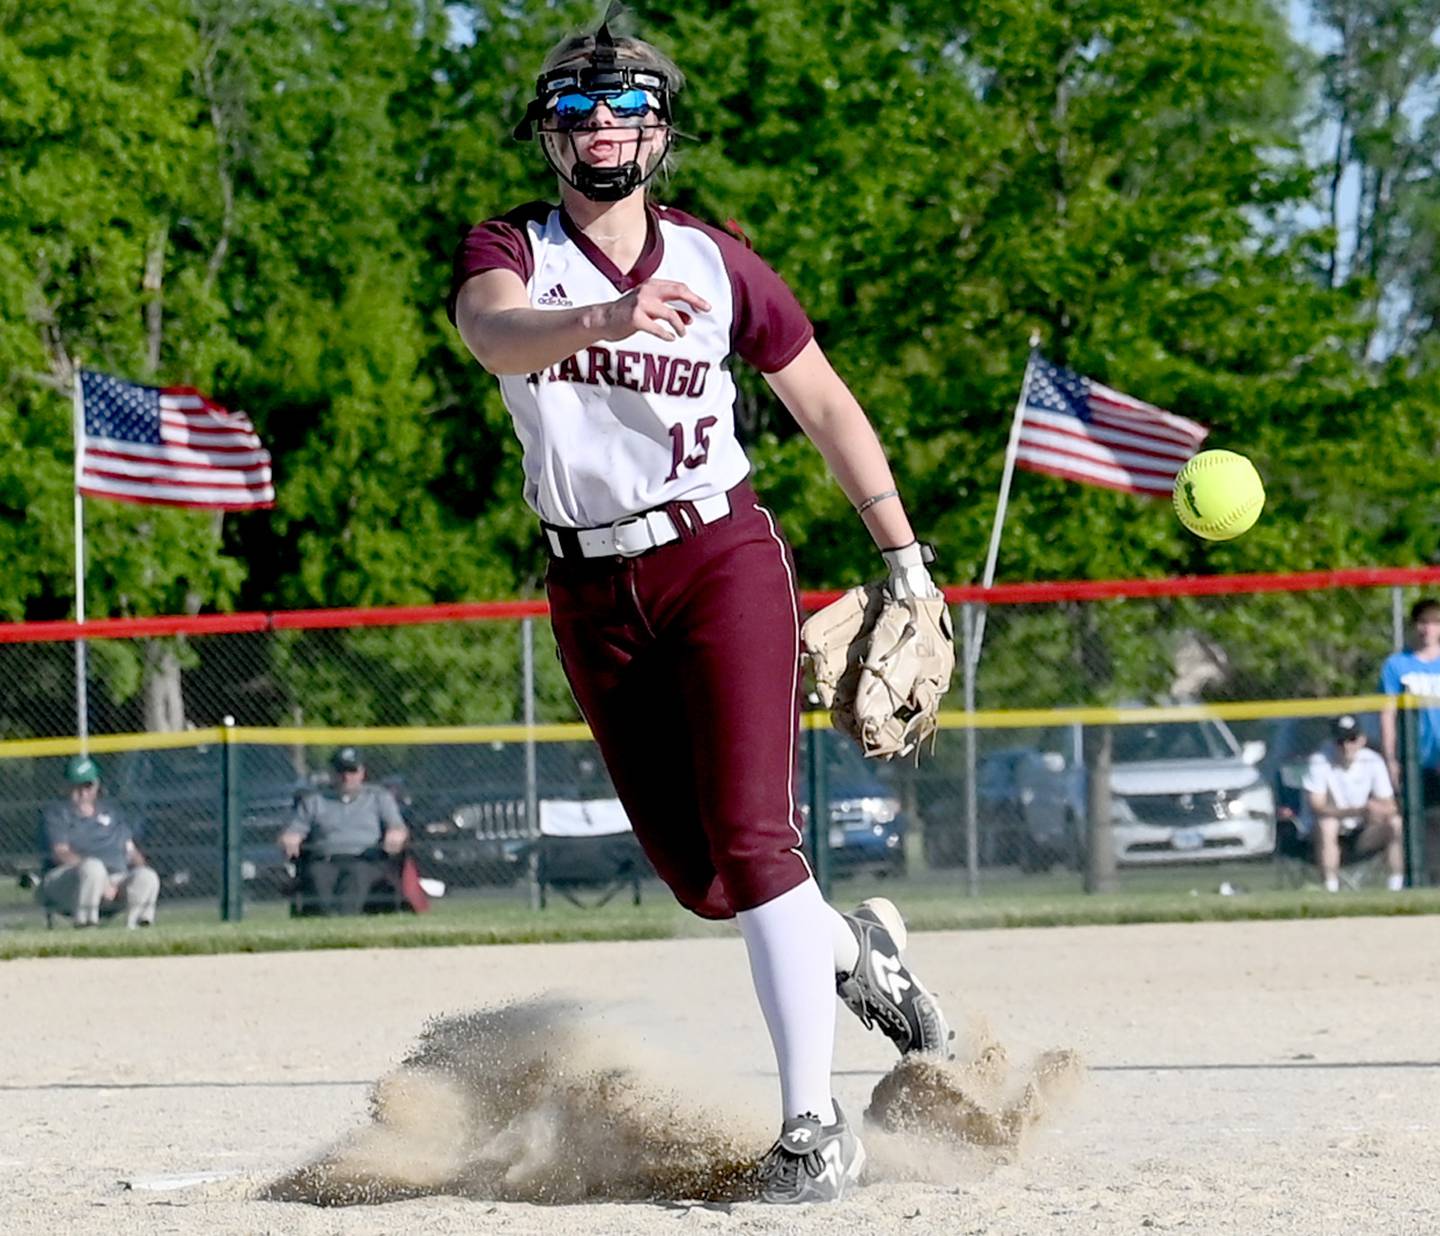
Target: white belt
636	533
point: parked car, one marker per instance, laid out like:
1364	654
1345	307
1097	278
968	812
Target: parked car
866	830
467	811
174	801
1051	785
26	788
1189	791
466	804
940	798
1181	791
1030	809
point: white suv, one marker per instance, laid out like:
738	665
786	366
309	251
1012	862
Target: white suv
1187	791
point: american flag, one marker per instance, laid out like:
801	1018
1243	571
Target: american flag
1077	428
168	446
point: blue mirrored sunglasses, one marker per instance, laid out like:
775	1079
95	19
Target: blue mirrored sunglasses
574	109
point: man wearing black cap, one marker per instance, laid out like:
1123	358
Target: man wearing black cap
345	838
91	856
1350	805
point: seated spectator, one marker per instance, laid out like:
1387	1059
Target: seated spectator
1349	804
345	839
91	856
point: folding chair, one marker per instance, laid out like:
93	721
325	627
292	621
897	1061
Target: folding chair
108	910
587	844
385	893
34	878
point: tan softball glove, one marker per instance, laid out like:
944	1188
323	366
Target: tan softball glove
881	666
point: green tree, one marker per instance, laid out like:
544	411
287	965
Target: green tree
102	195
103	251
1379	128
261	197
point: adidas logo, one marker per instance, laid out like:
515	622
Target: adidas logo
555	298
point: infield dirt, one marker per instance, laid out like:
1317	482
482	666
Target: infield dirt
1239	1077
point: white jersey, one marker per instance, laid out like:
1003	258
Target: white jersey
1366	778
628	426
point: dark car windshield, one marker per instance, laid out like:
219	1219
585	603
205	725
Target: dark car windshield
1175	740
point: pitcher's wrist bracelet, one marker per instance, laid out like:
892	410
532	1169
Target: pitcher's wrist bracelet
874	498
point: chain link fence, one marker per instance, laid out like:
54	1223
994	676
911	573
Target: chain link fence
435	672
466	805
465	715
207	809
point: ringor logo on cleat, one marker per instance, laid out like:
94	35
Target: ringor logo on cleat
889	976
830	1174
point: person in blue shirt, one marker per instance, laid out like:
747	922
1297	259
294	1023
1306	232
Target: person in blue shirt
1416	671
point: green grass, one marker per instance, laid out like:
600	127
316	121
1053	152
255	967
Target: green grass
935	901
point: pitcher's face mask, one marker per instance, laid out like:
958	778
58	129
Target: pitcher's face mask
567	102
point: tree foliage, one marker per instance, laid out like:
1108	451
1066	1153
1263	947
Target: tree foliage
260	197
1379	133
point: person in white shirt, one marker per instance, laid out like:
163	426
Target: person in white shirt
1350	805
612	323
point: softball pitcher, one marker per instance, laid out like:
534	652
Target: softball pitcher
611	322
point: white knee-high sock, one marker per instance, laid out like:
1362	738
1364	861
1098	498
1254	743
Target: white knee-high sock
792	963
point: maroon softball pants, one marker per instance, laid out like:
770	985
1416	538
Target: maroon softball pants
685	661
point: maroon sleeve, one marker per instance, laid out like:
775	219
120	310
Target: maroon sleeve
769	328
496	244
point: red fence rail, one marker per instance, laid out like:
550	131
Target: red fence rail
1044	592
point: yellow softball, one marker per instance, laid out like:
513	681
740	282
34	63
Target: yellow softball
1218	495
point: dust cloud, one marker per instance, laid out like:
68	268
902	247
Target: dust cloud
537	1102
943	1121
529	1102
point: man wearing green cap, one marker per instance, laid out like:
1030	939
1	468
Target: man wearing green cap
91	855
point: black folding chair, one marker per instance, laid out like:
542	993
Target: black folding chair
587	846
380	873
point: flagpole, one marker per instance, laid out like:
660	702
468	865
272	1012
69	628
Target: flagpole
82	702
973	632
1011	450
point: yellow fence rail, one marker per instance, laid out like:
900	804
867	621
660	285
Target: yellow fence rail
437	735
